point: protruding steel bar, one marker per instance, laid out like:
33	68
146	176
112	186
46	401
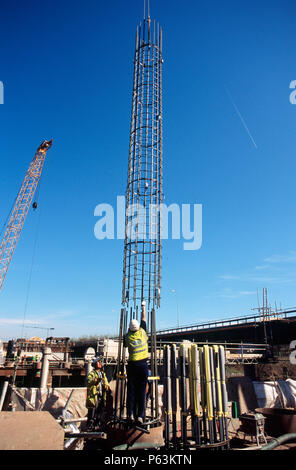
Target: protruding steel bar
183	394
224	390
174	377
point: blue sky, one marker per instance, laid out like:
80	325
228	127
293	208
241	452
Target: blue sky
229	138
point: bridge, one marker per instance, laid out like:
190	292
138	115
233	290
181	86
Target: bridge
273	328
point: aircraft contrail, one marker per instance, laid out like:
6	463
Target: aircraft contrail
241	118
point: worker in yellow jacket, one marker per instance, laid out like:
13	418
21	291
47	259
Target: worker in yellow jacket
136	341
97	386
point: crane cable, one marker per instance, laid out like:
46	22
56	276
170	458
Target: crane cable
33	256
30	273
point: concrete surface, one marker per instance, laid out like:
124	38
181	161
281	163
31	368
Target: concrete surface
30	430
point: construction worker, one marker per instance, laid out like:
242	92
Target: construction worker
136	341
97	386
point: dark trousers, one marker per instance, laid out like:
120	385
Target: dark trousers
94	412
91	415
137	373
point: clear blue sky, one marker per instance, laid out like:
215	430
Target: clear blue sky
229	144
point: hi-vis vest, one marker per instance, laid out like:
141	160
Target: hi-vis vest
95	390
137	343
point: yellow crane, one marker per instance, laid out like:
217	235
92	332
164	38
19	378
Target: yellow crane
20	209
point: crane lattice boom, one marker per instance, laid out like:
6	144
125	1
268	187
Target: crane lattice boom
20	209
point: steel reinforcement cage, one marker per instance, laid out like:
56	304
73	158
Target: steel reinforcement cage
142	247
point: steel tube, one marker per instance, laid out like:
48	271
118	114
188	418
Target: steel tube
3	394
45	368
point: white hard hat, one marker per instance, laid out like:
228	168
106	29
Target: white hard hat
134	325
96	360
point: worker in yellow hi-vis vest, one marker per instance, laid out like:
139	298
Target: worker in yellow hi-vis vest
97	386
136	340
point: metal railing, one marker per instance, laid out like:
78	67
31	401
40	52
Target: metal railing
236	353
249	319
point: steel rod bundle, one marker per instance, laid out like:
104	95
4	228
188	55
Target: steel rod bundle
203	369
121	384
